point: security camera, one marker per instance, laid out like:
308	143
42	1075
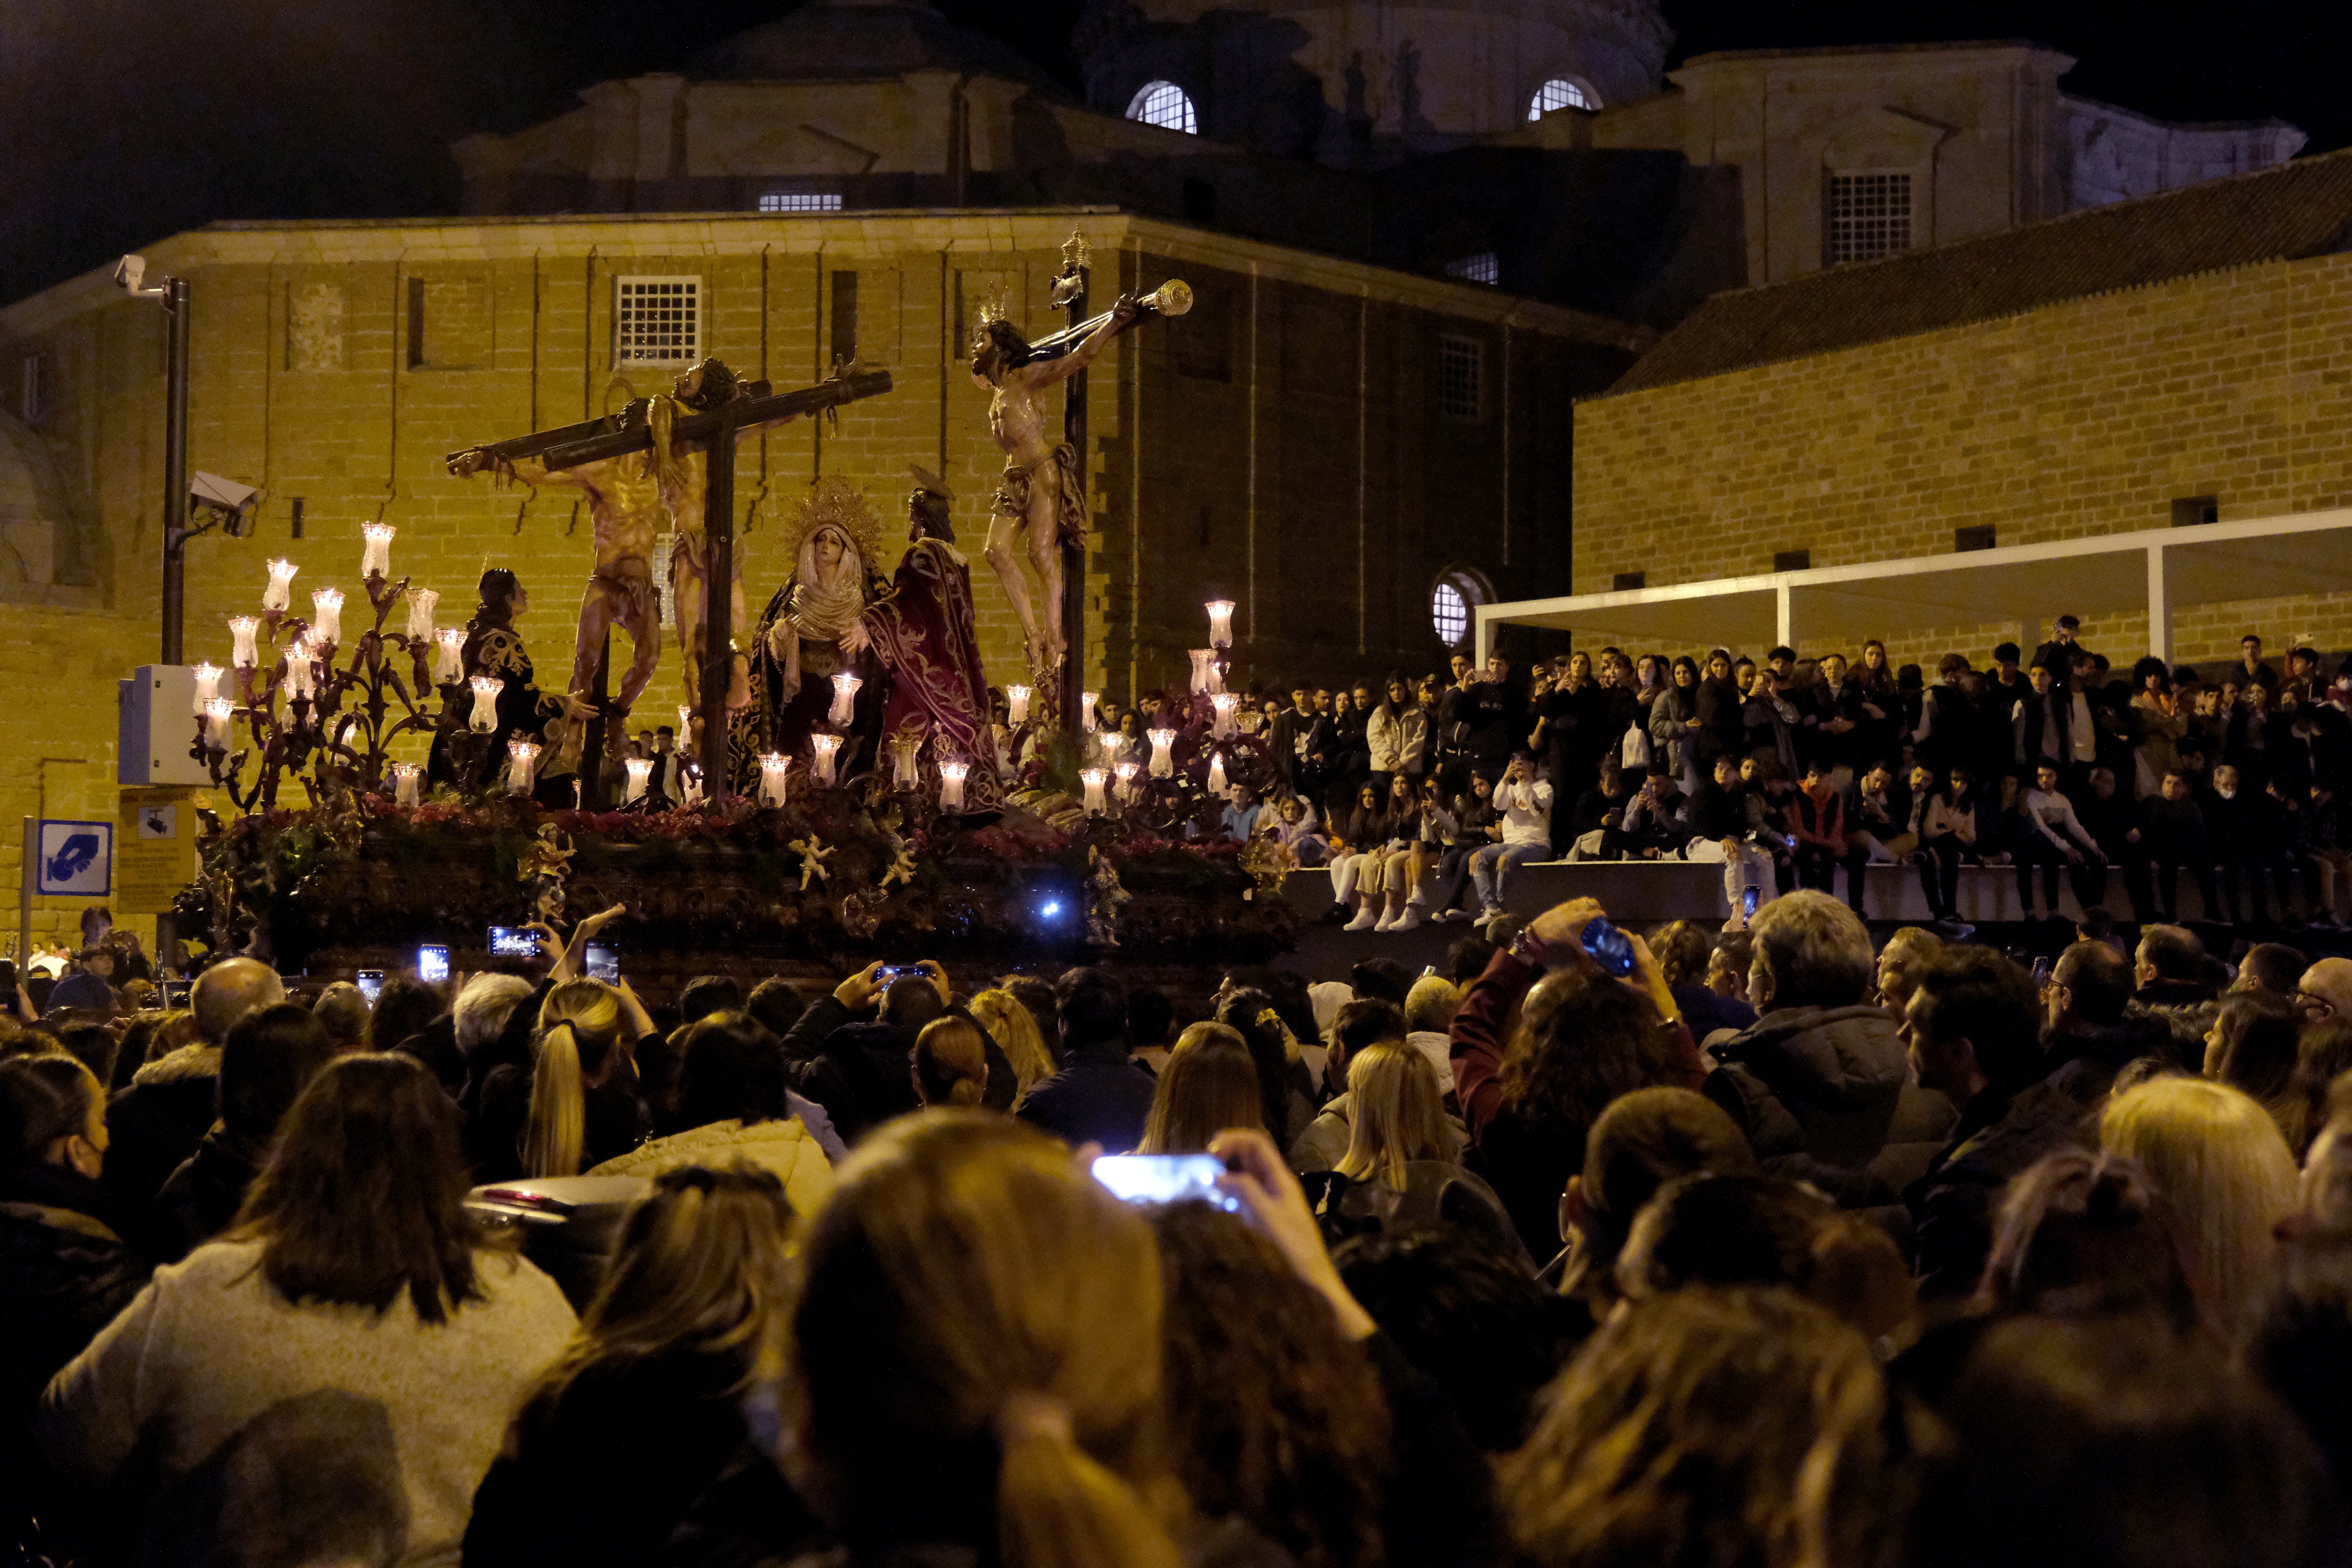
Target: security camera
130	272
230	503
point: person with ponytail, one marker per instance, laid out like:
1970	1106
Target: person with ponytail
973	1360
574	1106
646	1406
951	1063
730	1099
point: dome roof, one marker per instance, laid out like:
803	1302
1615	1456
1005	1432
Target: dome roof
861	39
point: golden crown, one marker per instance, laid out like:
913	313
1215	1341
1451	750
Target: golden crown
997	306
834	501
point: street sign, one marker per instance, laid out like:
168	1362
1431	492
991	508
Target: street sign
155	849
73	859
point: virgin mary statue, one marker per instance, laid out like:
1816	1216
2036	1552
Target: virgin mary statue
799	649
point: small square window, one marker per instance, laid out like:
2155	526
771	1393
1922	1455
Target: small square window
800	202
2193	511
1461	378
1978	537
1480	268
1627	582
1869	217
1793	559
657	320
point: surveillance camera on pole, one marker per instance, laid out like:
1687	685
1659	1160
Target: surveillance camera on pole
224	503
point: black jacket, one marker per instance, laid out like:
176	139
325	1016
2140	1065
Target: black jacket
1997	1137
2083	1058
156	1123
65	1271
1821	1083
203	1195
1101	1098
861	1072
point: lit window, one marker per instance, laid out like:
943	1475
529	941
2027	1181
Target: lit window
1449	614
1561	92
800	202
1166	105
1870	215
1480	268
657	320
1461	378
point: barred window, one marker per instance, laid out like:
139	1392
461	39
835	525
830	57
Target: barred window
1561	92
657	320
800	202
1449	614
1461	378
1166	105
1869	217
1482	267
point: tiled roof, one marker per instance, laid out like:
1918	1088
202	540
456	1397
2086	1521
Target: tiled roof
2294	210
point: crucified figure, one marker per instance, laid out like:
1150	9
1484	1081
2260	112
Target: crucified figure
1044	491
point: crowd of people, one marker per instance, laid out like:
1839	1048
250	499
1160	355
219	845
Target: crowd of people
1422	794
1739	1245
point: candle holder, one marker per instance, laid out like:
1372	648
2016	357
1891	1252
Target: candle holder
302	670
327	616
1109	739
1220	622
952	777
845	700
421	604
280	596
376	553
406	779
484	718
1086	701
641	773
243	630
522	765
1221	705
821	749
1163	762
208	676
1126	772
1217	774
1016	705
775	776
905	754
1207	676
219	714
449	649
1092	778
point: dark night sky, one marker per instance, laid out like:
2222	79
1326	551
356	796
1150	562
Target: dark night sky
124	120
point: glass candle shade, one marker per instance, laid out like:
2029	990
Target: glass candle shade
302	671
406	779
1109	742
641	773
1222	705
1125	771
208	676
1087	701
952	777
844	700
1220	622
243	630
522	765
421	603
906	751
1205	670
775	778
219	713
1092	779
1163	763
485	717
375	549
1016	704
822	750
1217	774
448	654
279	594
327	615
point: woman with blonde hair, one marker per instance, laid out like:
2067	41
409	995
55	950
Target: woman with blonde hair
2218	1159
1396	1114
951	1064
1211	1084
645	1406
975	1311
573	1107
1015	1029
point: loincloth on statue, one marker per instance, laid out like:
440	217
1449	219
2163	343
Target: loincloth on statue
692	551
1069	498
629	580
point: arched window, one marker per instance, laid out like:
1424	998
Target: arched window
1561	92
1449	613
1166	105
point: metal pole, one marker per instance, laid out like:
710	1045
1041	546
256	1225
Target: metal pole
1074	550
717	603
176	462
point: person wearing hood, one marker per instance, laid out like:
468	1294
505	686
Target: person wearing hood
1816	1083
2089	1031
264	1063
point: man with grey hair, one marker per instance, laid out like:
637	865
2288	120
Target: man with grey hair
1429	1009
171	1102
1816	1082
483	1009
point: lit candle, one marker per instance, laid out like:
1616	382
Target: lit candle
844	700
641	773
299	670
375	554
822	747
421	602
775	775
1087	701
1162	763
327	615
1109	738
1016	704
280	592
1220	622
951	775
243	628
1222	705
218	715
207	683
449	655
1204	669
1093	779
1125	771
906	749
1217	774
485	704
405	778
522	765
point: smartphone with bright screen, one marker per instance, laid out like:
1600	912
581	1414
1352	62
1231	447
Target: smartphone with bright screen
1162	1178
513	941
370	985
1747	902
433	964
603	963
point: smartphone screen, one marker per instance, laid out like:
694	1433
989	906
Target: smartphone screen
370	985
1162	1178
1747	902
433	964
513	941
603	963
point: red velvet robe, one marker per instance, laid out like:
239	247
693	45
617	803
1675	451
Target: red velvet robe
925	634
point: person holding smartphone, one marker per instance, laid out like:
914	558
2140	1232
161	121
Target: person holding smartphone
1523	802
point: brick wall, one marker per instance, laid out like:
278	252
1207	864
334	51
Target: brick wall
2083	418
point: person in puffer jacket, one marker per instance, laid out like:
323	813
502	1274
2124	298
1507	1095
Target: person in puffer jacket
1817	1081
730	1099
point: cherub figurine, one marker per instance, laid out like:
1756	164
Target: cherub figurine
1105	897
813	859
547	866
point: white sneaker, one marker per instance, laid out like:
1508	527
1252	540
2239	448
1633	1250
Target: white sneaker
1488	916
1365	920
1408	920
1385	922
1444	915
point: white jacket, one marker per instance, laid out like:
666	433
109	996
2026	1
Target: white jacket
1399	745
782	1146
1527	812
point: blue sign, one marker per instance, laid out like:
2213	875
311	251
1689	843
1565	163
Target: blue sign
74	859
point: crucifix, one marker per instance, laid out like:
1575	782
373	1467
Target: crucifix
669	456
